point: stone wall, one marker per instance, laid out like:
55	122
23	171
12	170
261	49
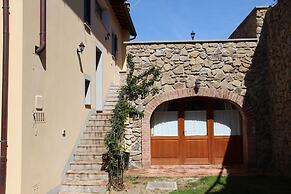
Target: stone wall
278	37
251	27
218	65
268	94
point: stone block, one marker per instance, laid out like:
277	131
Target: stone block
162	185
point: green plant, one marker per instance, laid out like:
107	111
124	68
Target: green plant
136	86
134	179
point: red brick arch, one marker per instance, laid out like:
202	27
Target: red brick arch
232	97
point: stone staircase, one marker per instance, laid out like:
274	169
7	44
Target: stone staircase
84	175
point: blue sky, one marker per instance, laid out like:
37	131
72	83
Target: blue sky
175	19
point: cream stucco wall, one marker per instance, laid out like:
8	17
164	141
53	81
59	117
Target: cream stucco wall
38	152
15	101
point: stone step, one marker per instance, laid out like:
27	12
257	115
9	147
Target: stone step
85	182
99	141
95	134
99	122
80	174
99	186
111	102
106	107
115	86
86	164
98	125
112	99
107	111
89	148
100	119
112	95
101	115
88	156
68	192
104	128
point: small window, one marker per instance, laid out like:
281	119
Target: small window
87	12
114	44
87	92
98	57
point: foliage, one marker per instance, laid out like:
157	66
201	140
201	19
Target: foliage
136	86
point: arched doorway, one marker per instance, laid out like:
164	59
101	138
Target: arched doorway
196	131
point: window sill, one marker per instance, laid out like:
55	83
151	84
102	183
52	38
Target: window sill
88	106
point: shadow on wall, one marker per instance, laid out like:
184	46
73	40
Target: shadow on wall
257	102
260	83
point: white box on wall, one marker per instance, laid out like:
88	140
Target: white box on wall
38	102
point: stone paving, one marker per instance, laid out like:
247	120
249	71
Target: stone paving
162	185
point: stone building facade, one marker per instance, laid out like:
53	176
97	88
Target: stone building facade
251	70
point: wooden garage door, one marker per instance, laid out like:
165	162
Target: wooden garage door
196	131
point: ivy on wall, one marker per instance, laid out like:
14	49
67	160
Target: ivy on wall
136	86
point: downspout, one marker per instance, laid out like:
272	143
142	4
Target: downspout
42	34
4	113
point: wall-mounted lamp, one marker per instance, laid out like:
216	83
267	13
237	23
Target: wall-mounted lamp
127	4
81	48
193	35
197	86
107	36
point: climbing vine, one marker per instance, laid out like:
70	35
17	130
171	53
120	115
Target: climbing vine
136	86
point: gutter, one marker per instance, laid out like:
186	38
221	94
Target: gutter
190	41
42	34
4	113
134	37
131	26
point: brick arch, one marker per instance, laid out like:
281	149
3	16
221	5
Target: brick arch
232	97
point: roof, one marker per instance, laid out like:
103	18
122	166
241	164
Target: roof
122	13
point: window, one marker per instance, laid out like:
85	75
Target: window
226	122
98	57
87	12
87	91
195	123
165	123
114	44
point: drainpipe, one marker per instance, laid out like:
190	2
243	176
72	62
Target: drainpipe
42	33
4	113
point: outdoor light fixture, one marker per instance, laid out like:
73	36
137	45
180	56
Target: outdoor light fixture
197	86
81	48
107	36
192	35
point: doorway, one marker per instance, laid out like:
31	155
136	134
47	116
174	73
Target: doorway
196	131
